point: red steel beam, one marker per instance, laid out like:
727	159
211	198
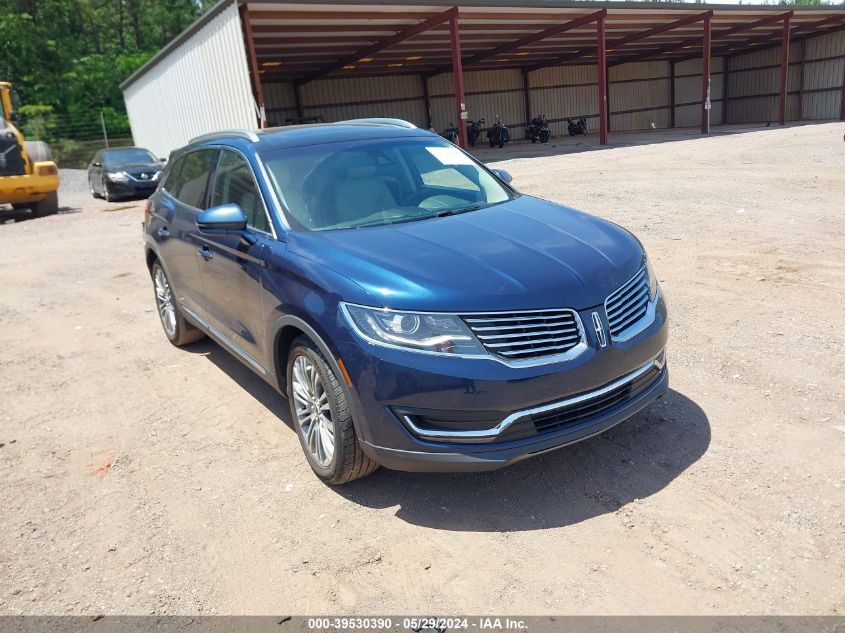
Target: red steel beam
253	64
449	14
705	78
769	41
458	78
726	75
526	93
427	101
602	54
799	111
697	40
784	68
672	94
842	103
537	37
627	39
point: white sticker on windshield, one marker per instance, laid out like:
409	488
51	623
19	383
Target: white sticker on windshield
449	155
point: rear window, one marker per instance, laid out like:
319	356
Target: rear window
189	177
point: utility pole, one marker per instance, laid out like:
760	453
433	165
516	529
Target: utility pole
103	123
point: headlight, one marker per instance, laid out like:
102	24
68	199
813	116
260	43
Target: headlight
156	176
652	280
421	331
118	176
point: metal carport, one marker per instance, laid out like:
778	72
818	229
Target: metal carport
616	59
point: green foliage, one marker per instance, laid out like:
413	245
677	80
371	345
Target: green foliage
67	58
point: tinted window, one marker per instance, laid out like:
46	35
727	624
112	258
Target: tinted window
189	179
234	184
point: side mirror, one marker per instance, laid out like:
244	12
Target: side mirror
504	176
15	118
227	218
162	160
96	164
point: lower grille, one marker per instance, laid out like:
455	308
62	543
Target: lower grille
525	335
628	304
582	409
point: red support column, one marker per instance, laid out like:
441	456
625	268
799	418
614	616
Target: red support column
705	78
784	68
297	95
526	93
427	101
253	64
458	77
726	65
799	110
672	94
842	103
602	50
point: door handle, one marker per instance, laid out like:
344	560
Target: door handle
205	252
163	232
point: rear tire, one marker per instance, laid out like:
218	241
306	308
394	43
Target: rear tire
177	330
321	416
38	151
47	206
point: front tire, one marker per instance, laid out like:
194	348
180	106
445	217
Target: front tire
177	330
322	418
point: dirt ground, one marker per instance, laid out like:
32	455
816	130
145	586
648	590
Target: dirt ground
138	478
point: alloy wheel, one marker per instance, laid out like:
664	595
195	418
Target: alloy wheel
164	300
313	413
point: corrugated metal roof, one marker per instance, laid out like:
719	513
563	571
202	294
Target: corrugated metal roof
309	39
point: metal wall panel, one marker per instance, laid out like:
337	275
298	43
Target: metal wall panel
830	45
399	97
279	102
201	86
488	93
562	92
688	92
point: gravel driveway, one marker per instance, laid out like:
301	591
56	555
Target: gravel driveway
140	478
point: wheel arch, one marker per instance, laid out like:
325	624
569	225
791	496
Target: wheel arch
285	330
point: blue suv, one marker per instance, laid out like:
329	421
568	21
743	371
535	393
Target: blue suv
415	309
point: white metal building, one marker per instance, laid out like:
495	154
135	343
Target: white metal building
623	66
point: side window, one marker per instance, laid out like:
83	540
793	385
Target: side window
188	180
234	184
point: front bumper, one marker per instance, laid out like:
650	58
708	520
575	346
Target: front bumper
501	455
131	188
401	399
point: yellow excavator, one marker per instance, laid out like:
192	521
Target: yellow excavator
28	176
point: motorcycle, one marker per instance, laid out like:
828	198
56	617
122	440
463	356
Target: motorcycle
450	133
499	134
578	126
539	131
474	131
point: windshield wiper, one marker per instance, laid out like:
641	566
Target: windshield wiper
458	210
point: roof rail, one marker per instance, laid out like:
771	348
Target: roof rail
249	135
382	121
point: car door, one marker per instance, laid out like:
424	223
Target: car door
174	211
231	265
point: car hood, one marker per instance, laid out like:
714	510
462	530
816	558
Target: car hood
522	254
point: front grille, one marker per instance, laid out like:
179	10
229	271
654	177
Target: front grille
11	158
627	305
530	334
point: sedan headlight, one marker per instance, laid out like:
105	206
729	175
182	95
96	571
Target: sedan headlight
421	331
118	176
652	280
156	176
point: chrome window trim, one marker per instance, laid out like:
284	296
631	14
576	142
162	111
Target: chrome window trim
487	434
570	354
645	321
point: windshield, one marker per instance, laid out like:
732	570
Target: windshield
128	156
377	182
